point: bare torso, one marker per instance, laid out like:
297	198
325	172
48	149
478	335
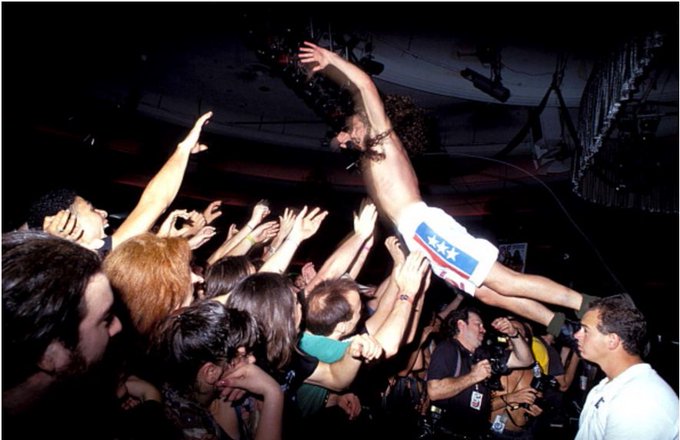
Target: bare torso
391	182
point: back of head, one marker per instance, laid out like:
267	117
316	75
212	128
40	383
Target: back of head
225	274
203	332
152	275
327	306
49	204
268	297
44	279
619	315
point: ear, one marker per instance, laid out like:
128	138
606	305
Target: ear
209	373
613	341
55	358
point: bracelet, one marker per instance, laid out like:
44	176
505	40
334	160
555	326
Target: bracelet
407	298
514	337
248	226
250	239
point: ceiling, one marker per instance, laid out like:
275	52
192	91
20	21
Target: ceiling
95	95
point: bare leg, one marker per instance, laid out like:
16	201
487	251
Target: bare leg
524	307
508	282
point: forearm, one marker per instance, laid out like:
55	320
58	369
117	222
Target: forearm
359	261
340	260
385	305
391	332
521	355
280	260
449	386
269	425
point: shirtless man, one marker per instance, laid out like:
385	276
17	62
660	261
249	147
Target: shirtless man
464	261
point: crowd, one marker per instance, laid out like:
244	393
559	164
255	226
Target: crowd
131	335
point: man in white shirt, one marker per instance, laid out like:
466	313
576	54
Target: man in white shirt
633	401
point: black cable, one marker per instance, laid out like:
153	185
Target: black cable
561	206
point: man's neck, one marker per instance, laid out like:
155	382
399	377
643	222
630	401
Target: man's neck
618	364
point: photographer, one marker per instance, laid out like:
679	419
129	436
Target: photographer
457	383
518	401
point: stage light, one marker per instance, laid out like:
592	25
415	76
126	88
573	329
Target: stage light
492	88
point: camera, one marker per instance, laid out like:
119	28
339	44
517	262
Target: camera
542	384
495	350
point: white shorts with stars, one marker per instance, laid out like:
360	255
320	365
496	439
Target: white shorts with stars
455	256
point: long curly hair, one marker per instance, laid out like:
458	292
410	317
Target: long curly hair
409	121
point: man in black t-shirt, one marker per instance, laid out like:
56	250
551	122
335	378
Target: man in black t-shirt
456	380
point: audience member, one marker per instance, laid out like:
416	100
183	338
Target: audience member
456	378
633	401
78	220
202	345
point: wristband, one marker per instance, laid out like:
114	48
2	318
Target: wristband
406	298
514	337
250	239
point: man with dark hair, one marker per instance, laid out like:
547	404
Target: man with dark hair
462	260
57	320
633	401
65	214
456	375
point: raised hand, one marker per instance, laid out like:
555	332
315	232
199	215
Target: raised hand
265	231
314	57
191	143
212	211
364	223
394	248
409	275
201	237
260	211
306	224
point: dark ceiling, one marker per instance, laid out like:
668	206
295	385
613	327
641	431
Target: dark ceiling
95	95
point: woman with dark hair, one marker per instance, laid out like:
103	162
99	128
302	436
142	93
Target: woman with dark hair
271	299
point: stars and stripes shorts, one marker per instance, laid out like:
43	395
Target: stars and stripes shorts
455	256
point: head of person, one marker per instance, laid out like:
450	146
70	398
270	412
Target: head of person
270	298
196	345
57	316
153	277
226	273
333	308
93	221
466	326
612	324
408	121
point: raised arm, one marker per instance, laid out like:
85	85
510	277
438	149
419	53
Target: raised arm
341	260
306	224
163	187
339	375
260	211
521	355
409	278
366	95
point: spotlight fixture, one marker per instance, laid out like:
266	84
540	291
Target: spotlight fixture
493	88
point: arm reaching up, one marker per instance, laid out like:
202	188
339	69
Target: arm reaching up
163	187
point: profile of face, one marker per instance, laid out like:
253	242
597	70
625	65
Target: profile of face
92	221
591	342
472	332
100	323
354	134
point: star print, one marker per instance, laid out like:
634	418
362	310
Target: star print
432	240
442	248
452	254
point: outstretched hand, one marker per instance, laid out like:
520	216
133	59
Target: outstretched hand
191	141
311	53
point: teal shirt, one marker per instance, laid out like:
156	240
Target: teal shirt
311	398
